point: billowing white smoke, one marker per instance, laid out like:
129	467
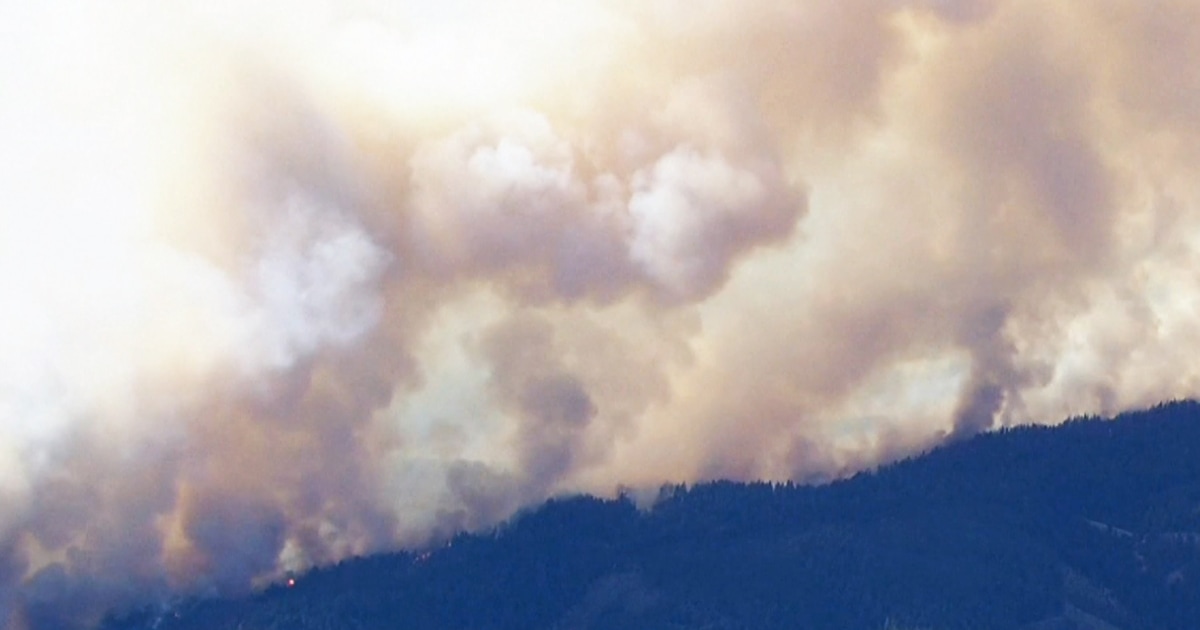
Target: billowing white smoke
281	283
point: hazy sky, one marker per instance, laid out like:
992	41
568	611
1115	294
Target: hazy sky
286	281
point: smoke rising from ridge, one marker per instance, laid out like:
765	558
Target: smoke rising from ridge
286	282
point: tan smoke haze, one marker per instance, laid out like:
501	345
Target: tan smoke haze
283	282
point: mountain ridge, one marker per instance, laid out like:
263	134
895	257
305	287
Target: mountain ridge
1094	523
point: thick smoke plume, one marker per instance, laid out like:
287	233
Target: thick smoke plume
286	282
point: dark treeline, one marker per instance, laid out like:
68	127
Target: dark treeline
1090	524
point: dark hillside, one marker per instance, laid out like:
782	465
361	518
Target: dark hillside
1091	524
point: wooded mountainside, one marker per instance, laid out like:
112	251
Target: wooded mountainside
1091	524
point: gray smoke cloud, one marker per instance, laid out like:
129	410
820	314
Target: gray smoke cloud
281	283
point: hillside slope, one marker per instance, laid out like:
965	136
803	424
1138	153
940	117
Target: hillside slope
1092	524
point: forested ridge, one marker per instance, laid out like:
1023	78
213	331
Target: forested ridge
1094	523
